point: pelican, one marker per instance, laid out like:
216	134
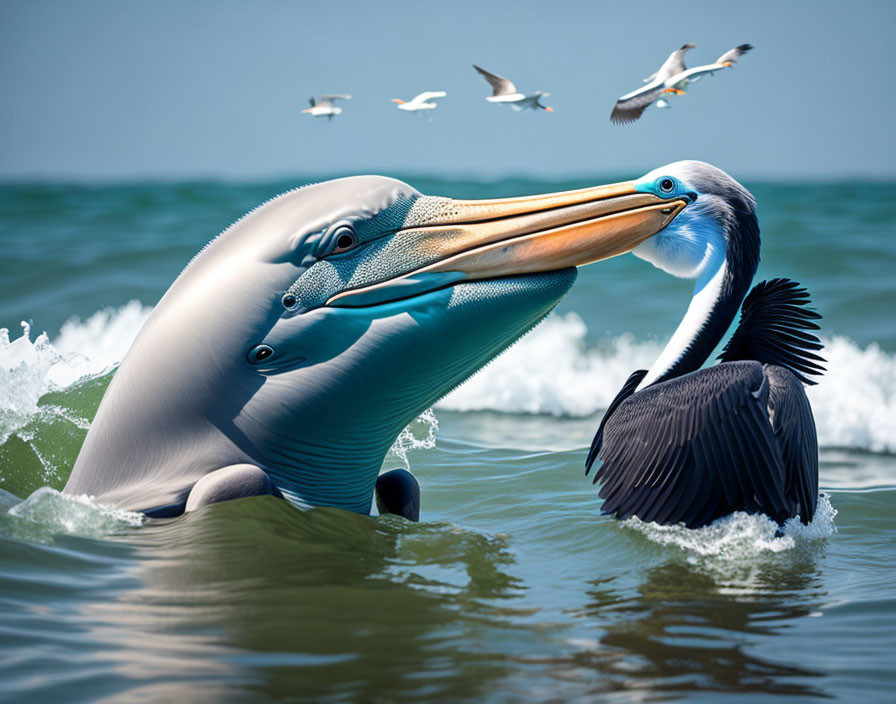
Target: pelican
503	91
323	106
681	444
423	101
672	78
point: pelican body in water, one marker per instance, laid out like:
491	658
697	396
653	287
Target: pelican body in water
504	92
294	348
672	78
681	444
325	106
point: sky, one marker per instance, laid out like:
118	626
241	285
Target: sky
114	90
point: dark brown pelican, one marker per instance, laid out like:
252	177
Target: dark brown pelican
680	444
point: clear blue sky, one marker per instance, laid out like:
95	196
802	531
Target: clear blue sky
112	89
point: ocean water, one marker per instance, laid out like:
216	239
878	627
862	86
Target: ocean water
513	586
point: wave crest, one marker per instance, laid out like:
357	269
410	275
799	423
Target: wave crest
551	371
47	513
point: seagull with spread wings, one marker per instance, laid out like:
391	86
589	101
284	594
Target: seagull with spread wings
421	103
323	106
503	91
672	78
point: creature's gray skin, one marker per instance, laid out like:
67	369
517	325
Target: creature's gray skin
293	349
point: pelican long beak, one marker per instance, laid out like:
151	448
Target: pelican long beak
399	101
473	240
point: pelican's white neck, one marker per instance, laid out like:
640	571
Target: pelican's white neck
694	248
707	292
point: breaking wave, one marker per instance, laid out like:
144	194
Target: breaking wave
551	371
47	513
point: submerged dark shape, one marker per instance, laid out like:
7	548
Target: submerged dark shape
681	444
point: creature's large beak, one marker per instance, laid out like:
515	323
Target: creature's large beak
470	240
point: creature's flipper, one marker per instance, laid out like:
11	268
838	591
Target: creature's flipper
234	482
398	492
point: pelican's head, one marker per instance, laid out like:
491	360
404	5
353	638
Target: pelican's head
718	226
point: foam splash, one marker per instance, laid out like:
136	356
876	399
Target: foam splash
24	367
741	535
419	435
31	368
48	512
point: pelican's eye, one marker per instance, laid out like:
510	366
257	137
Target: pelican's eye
289	301
667	185
259	353
344	239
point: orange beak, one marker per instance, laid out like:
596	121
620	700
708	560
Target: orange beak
399	101
473	240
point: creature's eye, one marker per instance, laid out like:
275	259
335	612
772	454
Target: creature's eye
289	301
667	185
344	239
259	353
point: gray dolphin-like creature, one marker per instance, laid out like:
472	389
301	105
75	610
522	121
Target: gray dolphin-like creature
292	350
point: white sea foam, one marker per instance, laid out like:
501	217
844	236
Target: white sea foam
419	435
741	535
31	368
737	551
551	371
854	403
96	345
54	513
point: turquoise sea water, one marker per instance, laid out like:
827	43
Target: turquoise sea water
512	587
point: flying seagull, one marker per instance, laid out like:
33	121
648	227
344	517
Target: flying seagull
322	106
503	91
672	78
421	102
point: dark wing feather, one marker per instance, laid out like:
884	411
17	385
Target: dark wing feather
628	388
794	427
693	449
499	84
734	54
630	107
772	329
